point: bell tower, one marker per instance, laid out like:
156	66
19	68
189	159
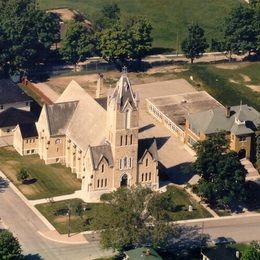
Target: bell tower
122	131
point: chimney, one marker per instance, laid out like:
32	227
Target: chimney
228	111
100	86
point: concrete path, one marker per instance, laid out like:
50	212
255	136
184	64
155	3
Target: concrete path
252	173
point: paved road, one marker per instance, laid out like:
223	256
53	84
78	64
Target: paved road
21	220
241	229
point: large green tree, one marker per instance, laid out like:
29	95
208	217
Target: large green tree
77	44
222	175
195	44
9	246
132	218
27	34
240	32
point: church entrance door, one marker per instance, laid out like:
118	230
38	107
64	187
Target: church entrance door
124	181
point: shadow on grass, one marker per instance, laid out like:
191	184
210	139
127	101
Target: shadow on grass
30	181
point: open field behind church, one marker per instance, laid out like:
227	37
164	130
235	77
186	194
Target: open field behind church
169	18
46	181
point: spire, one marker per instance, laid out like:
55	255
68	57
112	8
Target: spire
123	94
100	88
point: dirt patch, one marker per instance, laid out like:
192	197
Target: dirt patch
166	69
228	66
245	77
27	190
63	219
255	88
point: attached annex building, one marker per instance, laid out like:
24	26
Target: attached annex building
96	138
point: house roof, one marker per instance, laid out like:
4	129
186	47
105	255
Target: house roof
59	115
13	116
243	120
100	152
147	145
11	93
141	253
220	252
28	130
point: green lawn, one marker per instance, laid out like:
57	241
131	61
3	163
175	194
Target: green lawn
50	180
56	213
169	17
217	82
181	201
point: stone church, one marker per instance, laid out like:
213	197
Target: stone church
96	138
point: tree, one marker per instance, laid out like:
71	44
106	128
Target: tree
240	34
77	44
22	175
134	224
222	175
195	44
252	252
9	246
109	16
28	34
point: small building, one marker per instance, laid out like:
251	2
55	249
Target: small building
220	252
142	253
240	123
12	96
26	139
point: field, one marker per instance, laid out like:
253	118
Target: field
230	83
46	180
169	18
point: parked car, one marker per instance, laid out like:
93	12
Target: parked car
223	241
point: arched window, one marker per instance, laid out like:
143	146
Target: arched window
121	140
130	162
127	118
150	176
146	177
57	141
101	183
105	182
146	162
142	177
98	183
120	164
131	139
102	168
126	140
125	162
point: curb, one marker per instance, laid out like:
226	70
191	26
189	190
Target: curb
62	242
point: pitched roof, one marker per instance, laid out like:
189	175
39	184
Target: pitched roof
147	145
11	93
73	92
13	116
28	130
243	120
59	116
87	126
123	93
99	152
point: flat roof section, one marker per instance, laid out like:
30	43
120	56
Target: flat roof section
177	107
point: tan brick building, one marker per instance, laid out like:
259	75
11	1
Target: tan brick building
96	138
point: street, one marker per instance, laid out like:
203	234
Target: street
22	221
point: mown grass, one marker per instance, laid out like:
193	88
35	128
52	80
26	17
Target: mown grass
48	180
169	18
217	83
181	201
56	213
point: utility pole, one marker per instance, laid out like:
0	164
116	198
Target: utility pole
69	224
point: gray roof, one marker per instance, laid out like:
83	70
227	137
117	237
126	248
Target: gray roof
59	116
13	116
11	93
28	130
243	120
100	152
147	145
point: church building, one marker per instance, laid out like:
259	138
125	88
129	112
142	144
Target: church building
97	138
